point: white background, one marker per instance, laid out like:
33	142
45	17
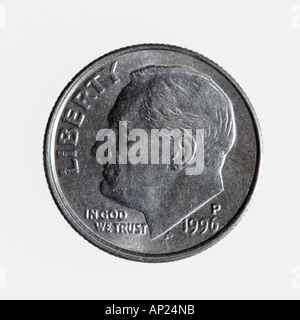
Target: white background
43	44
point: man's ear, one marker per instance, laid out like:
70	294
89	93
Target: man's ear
187	154
178	160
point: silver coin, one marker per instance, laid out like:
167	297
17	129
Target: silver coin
139	204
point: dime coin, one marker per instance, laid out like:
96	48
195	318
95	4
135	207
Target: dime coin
152	153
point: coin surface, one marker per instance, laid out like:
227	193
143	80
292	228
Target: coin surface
153	153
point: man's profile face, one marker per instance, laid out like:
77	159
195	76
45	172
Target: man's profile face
131	184
168	100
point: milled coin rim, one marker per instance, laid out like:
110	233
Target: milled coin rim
79	227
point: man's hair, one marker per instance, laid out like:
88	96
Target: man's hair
178	97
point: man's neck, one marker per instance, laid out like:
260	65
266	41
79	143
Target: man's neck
172	210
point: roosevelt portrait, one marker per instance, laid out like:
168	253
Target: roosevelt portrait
170	97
